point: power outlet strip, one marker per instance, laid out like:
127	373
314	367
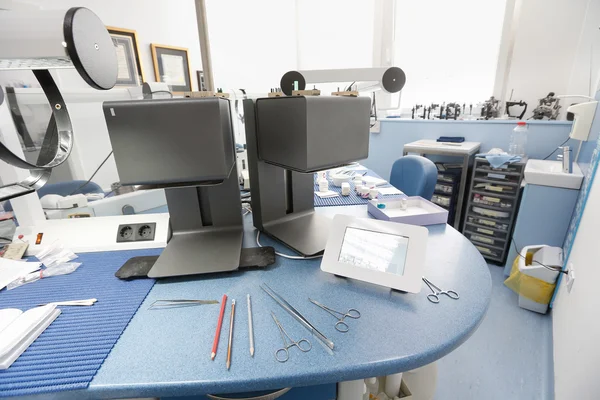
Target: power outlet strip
84	235
136	232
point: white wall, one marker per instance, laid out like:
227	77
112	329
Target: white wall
576	326
548	53
587	55
170	23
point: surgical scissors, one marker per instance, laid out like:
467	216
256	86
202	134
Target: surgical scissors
286	345
436	292
341	325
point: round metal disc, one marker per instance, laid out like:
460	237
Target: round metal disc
288	79
90	48
393	80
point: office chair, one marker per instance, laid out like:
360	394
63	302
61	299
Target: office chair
63	189
415	176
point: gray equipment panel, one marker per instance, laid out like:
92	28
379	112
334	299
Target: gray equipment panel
168	141
189	142
309	134
283	199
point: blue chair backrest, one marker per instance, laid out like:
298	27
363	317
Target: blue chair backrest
415	176
63	189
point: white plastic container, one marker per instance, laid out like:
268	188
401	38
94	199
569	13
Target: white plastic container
518	139
345	189
547	255
323	185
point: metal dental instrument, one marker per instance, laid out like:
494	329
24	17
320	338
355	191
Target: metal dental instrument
294	313
88	302
340	325
436	292
179	303
283	354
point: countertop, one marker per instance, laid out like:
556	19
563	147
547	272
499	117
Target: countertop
167	352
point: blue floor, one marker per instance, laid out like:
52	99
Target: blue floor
508	357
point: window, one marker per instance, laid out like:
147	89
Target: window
449	50
254	43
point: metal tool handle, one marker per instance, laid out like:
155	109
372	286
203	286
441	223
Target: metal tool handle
353	313
434	298
452	294
341	326
305	348
285	357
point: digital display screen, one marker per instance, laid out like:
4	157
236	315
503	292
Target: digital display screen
378	251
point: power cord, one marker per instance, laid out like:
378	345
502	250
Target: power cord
555	269
288	256
550	155
93	175
374	110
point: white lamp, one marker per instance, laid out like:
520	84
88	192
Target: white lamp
41	40
388	79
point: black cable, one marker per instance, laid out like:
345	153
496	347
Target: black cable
555	269
550	155
374	110
349	89
94	174
5	238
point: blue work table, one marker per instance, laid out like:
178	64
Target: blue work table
166	353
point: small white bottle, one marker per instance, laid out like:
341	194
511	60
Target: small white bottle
323	185
372	386
403	203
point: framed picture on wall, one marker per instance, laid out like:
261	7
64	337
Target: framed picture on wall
201	83
130	72
172	66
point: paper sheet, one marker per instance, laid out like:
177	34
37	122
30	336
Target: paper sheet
173	70
327	194
11	270
123	70
388	191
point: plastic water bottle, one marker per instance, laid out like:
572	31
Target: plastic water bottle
518	139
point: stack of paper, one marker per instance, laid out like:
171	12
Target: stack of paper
19	329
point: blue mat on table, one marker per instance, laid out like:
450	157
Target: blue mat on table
354	199
67	355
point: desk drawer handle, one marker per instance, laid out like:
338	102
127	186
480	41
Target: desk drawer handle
270	396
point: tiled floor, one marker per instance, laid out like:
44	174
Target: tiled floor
508	357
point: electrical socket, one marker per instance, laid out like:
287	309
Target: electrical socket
570	276
136	232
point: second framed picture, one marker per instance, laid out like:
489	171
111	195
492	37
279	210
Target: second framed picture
172	66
